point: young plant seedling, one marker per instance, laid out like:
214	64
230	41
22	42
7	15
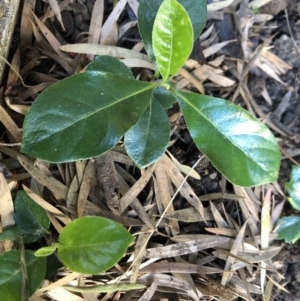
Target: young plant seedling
87	114
23	271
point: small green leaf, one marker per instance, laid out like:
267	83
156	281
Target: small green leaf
83	116
91	244
148	139
29	216
288	228
197	10
171	24
15	233
241	147
108	288
110	64
164	96
293	187
11	274
45	251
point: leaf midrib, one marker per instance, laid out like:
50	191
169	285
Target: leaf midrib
150	86
209	121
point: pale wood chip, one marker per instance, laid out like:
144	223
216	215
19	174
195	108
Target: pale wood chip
48	285
50	37
204	35
205	72
56	10
120	158
215	48
150	291
234	250
187	277
179	267
257	3
10	125
134	191
265	231
48	207
25	28
190	78
85	180
58	227
59	190
183	248
92	209
21	109
177	179
6	209
189	215
96	23
135	204
252	221
111	22
163	195
167	281
219	5
138	63
65	63
104	50
51	13
39	38
123	29
221	223
13	74
184	168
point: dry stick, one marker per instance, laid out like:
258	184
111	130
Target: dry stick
289	157
19	76
162	216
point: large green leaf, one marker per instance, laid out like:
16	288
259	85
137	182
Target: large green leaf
148	10
293	187
11	274
92	244
171	24
148	139
164	96
288	228
238	145
29	216
15	233
110	64
83	116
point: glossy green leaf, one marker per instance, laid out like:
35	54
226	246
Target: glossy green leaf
45	251
29	216
15	233
293	187
83	116
148	139
91	244
171	24
11	274
164	96
237	144
147	12
110	64
288	228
